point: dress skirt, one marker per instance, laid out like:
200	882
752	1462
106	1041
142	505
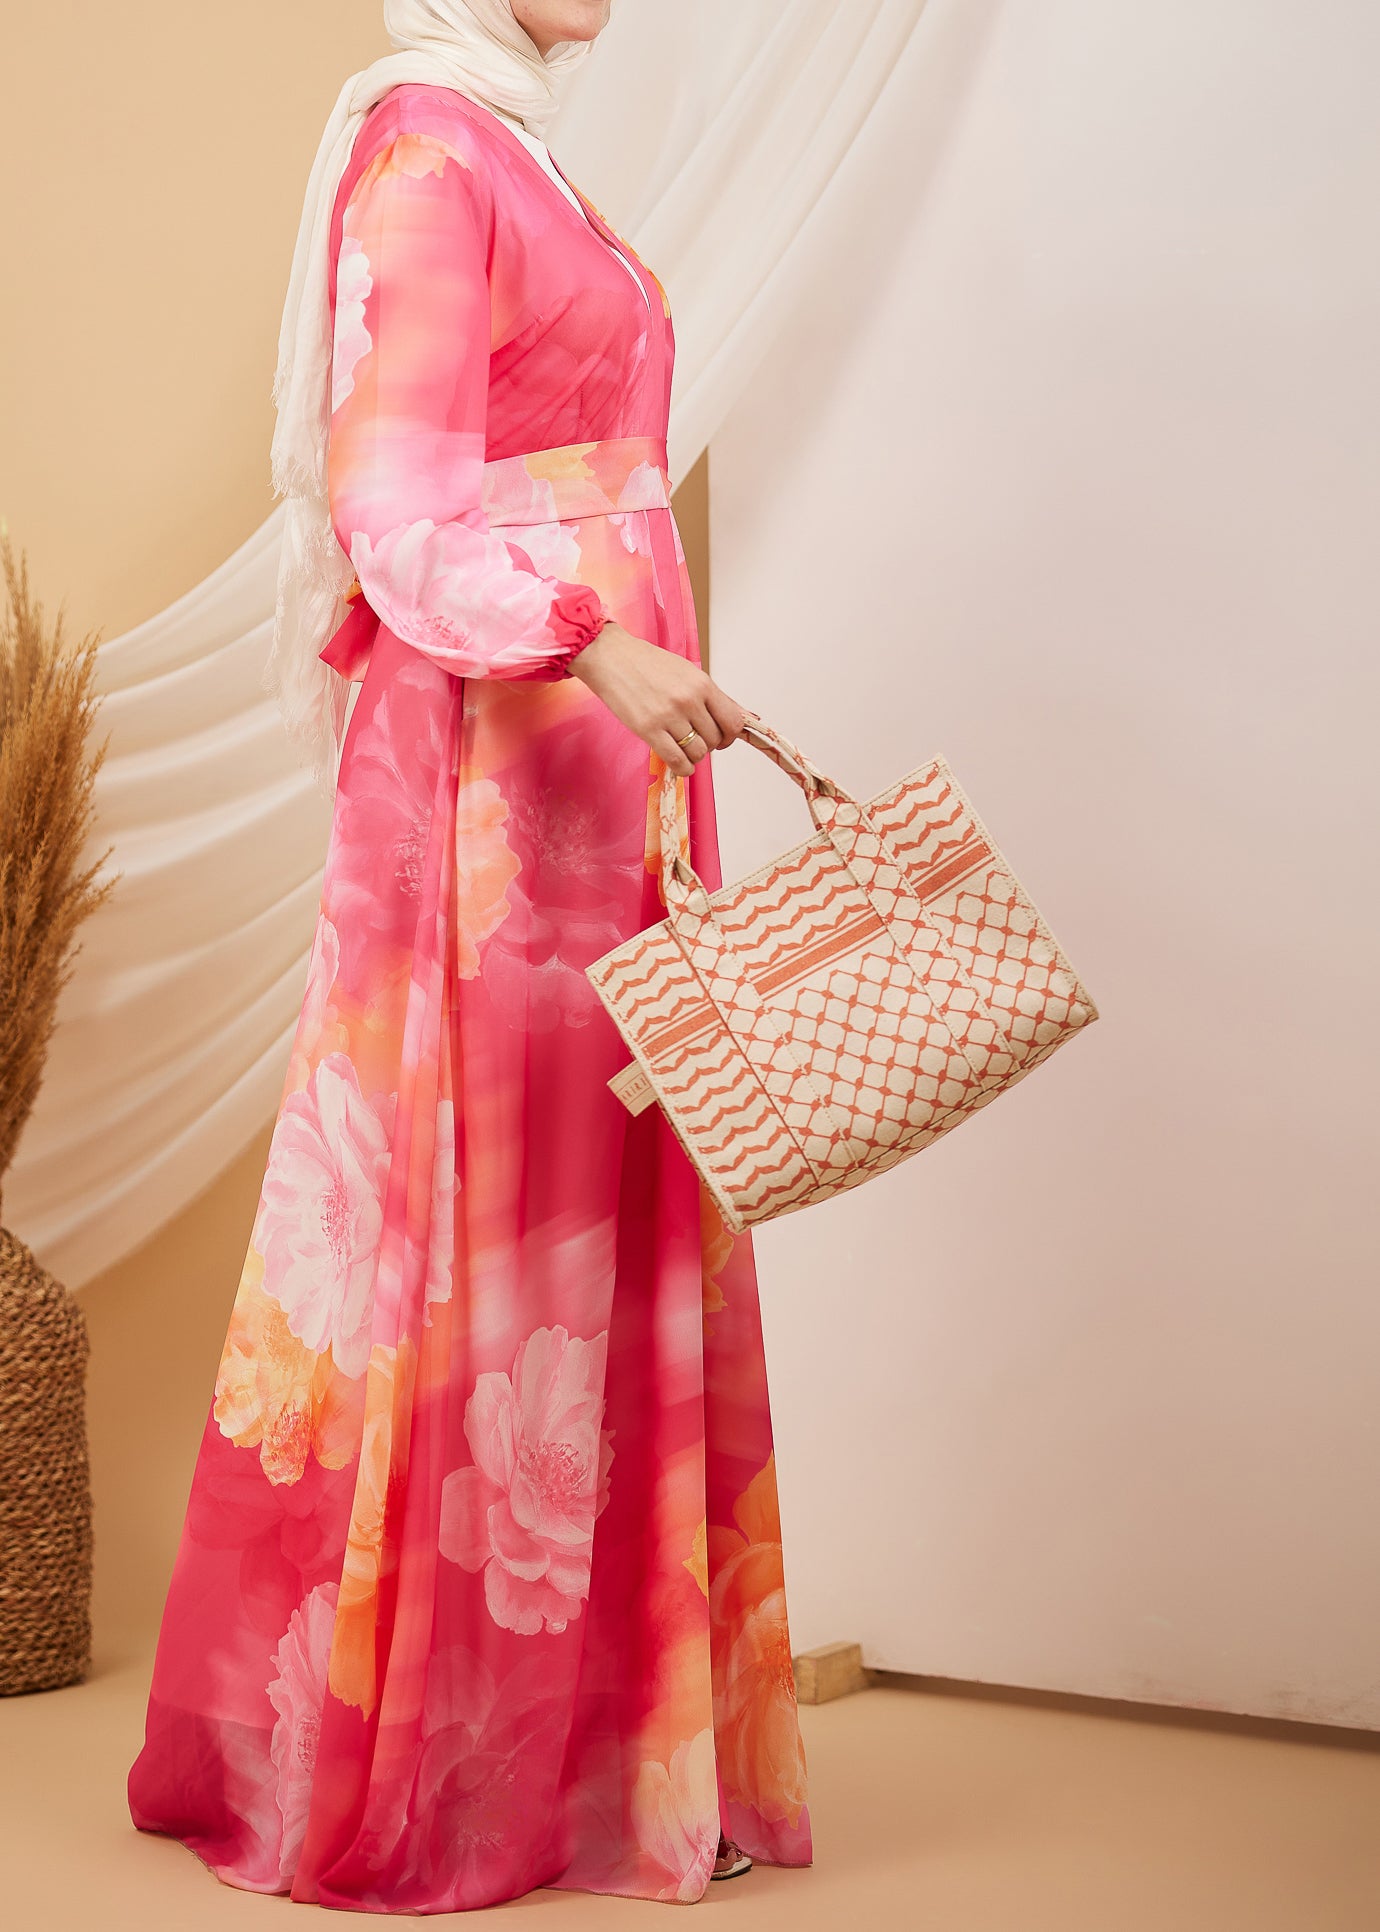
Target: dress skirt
480	1583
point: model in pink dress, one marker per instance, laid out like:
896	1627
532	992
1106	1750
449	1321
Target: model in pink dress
480	1583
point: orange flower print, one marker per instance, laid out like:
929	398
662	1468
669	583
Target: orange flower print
275	1394
716	1245
566	461
369	1551
697	1563
411	154
652	853
761	1759
485	864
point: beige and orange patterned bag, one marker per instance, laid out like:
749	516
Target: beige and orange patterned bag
840	1009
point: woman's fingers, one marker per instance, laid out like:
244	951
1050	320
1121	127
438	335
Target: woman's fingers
672	754
707	726
700	719
728	716
717	719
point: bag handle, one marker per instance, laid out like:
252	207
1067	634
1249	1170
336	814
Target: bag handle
863	848
680	882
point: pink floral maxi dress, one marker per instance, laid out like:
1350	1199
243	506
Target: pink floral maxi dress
480	1584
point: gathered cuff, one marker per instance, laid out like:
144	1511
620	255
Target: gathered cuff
577	617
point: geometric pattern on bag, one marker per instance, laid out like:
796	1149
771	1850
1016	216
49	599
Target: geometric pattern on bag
839	1009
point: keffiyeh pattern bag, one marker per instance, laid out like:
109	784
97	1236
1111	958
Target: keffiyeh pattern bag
842	1008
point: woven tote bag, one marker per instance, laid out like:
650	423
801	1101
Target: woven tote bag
835	1012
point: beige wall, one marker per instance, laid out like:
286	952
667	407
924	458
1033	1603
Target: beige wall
154	181
153	184
1085	1396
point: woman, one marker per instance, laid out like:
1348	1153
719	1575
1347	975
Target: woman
480	1584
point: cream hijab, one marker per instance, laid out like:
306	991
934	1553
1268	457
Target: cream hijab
478	48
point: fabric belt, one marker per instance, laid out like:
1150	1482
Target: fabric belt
577	480
562	485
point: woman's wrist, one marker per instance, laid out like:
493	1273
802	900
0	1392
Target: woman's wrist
597	651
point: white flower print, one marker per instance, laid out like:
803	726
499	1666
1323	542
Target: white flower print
320	1217
297	1693
354	282
635	532
321	978
675	1813
553	547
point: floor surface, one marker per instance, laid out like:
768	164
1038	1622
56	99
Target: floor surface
942	1811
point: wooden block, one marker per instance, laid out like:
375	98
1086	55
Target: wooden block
834	1670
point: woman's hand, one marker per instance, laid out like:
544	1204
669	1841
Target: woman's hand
659	696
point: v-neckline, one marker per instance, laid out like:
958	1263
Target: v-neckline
595	219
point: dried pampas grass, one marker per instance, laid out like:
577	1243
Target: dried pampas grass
48	701
47	772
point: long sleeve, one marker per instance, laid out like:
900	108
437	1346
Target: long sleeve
409	391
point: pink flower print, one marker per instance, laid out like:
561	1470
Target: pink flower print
450	589
297	1693
321	974
389	823
431	1227
453	1814
320	1217
319	1028
580	887
385	824
352	340
527	499
388	840
675	1814
524	1511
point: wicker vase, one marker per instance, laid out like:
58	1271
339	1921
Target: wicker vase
45	1479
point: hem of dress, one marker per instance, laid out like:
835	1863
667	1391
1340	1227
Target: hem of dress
239	1884
284	1890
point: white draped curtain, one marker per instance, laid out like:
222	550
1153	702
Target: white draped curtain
713	137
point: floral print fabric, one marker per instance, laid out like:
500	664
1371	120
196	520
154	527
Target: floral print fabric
480	1584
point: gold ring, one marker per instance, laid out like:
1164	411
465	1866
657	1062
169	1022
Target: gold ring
691	733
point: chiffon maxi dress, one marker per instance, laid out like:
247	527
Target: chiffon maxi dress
479	1586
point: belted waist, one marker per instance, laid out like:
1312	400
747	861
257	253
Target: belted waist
561	485
577	480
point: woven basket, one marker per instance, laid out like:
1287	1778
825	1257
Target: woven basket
45	1479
